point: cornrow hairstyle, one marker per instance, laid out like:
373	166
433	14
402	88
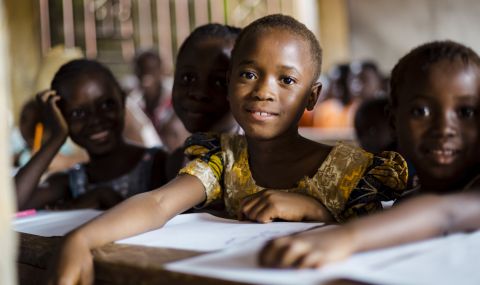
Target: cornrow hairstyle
64	80
212	30
423	57
289	24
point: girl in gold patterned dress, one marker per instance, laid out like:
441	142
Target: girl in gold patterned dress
271	172
435	98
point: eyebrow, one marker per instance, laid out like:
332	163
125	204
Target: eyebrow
289	67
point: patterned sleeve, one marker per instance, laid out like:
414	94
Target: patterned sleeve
207	164
384	180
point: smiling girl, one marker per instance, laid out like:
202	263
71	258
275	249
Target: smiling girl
87	104
271	172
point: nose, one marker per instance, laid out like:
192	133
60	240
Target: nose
444	125
263	90
199	92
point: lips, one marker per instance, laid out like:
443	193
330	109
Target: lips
261	114
442	155
99	136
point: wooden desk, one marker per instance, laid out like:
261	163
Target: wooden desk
115	264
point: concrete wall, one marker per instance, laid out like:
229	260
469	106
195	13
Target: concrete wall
387	29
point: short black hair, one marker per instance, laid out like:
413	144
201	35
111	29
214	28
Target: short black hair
423	57
212	30
65	77
143	55
291	25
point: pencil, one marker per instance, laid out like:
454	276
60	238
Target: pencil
37	139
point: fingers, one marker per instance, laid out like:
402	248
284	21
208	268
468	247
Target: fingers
258	209
44	96
284	252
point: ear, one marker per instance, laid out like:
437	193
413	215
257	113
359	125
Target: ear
315	92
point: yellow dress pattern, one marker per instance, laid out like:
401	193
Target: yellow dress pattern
348	183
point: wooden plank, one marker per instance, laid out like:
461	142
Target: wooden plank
164	31
145	23
201	12
114	263
90	32
217	11
182	21
45	26
68	30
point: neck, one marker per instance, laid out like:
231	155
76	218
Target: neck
266	152
110	158
441	186
225	125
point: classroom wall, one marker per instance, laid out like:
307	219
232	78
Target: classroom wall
7	238
387	29
25	50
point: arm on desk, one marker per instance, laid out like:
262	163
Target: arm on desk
421	218
141	213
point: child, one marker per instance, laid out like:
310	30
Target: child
372	127
269	88
32	124
200	85
434	106
87	104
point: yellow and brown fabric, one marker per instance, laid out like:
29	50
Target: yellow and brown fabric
350	182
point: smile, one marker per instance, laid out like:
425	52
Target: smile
443	156
100	136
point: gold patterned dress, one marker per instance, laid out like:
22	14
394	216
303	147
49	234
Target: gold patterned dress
350	182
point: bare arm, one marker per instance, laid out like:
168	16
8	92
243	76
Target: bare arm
138	214
420	218
28	177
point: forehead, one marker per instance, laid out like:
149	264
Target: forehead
275	44
204	53
443	80
88	88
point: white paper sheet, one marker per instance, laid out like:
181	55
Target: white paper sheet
53	223
199	231
449	260
205	232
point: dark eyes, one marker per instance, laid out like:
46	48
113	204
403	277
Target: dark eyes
288	80
466	112
248	75
77	114
108	104
422	111
188	78
462	112
220	82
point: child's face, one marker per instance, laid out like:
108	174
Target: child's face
94	112
199	88
271	83
436	121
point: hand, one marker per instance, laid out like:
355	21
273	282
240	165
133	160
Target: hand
74	264
310	249
55	120
268	205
